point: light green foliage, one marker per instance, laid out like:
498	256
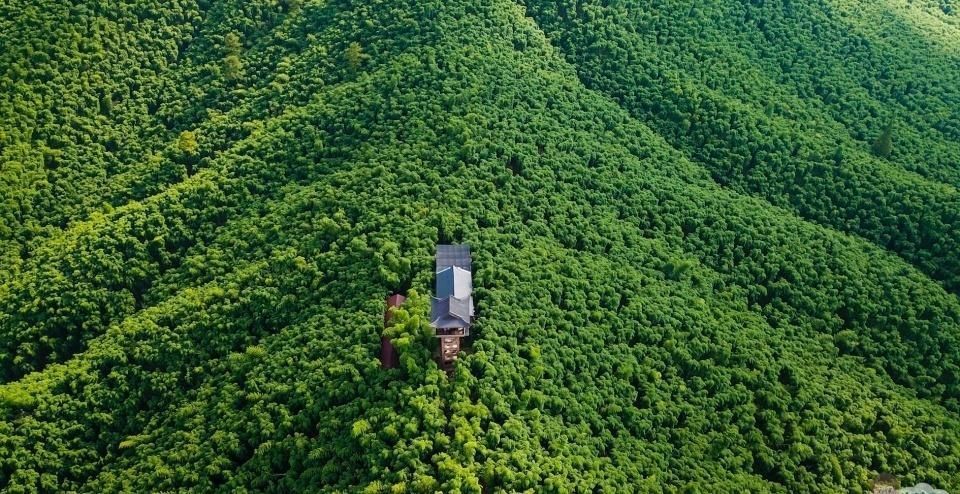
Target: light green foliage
354	55
187	143
204	205
232	66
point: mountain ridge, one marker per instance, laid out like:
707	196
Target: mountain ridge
640	327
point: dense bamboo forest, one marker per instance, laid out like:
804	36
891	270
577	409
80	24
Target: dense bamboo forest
716	245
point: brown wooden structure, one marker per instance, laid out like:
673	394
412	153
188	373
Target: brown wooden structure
449	348
388	354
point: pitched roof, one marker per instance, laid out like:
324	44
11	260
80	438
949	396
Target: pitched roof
453	255
450	312
454	282
453	305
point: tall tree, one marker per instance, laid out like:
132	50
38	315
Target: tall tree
883	146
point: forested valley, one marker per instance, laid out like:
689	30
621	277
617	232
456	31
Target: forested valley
716	245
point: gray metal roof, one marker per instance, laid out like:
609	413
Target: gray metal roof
453	255
452	308
450	312
454	281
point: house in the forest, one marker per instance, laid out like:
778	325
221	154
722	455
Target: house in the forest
452	312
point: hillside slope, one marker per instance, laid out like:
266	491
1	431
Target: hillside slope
787	100
209	320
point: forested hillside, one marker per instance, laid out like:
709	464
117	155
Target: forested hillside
840	111
716	245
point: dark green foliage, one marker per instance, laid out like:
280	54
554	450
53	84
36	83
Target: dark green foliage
199	231
883	146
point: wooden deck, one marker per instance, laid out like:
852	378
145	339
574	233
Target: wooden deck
449	348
